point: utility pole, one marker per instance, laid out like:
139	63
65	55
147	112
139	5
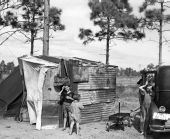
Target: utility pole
46	28
160	33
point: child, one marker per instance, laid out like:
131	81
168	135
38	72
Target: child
75	113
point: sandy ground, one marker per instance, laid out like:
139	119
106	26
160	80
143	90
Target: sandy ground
10	129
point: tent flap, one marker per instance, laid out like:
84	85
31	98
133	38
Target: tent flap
34	76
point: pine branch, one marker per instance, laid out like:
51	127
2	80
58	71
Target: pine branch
40	38
8	37
166	41
152	28
2	28
7	32
25	35
166	30
11	7
167	6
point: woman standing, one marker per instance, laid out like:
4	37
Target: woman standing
67	99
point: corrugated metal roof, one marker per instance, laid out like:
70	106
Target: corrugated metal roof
87	62
92	62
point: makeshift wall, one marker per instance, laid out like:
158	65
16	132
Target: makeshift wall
98	94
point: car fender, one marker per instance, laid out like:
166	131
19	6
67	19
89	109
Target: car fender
154	107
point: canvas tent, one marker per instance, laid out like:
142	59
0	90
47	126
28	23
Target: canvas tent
11	93
38	81
34	71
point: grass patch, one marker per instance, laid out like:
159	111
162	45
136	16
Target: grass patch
127	91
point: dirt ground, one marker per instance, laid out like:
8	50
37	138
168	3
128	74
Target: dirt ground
10	129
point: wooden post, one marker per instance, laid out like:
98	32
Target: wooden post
46	28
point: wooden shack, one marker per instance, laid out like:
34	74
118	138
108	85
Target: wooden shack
94	81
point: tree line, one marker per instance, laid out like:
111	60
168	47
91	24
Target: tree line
6	68
127	72
132	72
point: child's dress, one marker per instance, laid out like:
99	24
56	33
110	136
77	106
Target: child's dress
75	110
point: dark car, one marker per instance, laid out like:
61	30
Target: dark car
159	113
160	109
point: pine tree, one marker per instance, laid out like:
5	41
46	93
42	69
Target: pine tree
116	21
155	18
30	23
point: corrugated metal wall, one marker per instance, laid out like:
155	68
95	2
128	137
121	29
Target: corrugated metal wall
98	94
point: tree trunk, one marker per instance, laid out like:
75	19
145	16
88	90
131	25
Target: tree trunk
107	41
32	34
46	28
32	42
160	36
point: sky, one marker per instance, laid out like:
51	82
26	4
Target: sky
75	15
